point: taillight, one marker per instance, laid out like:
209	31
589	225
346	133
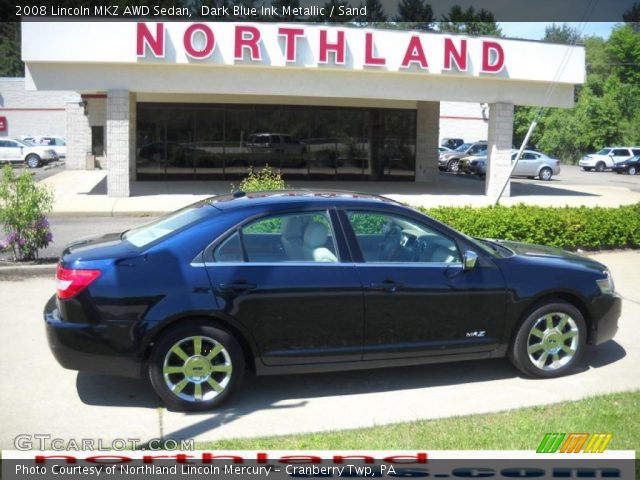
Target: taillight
70	282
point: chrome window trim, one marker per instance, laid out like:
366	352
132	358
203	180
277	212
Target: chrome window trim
327	264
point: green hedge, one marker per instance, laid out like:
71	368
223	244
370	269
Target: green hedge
567	227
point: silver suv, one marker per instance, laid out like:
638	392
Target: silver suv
14	151
606	158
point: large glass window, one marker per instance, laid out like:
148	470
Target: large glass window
223	141
389	238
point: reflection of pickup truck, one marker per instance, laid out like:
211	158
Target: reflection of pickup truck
276	143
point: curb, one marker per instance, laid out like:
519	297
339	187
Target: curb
26	271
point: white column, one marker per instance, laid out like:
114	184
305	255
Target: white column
120	141
499	149
427	132
78	135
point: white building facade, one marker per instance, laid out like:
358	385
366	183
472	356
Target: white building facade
208	100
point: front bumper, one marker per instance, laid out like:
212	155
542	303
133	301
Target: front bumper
606	310
87	347
586	163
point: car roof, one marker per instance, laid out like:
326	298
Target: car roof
241	200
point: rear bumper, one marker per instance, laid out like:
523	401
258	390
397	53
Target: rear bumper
85	347
606	312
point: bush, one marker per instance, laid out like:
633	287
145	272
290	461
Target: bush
566	227
23	209
261	180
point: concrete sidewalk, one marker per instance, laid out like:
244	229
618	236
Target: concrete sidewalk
79	192
42	398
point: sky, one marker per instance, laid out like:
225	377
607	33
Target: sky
535	30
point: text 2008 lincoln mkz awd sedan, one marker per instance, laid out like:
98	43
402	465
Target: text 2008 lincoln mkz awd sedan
307	281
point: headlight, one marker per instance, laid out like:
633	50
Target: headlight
606	285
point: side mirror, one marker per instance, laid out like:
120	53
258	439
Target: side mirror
470	259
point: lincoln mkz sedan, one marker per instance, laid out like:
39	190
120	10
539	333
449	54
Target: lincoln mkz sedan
307	281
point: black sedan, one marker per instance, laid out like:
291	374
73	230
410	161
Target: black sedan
630	166
307	281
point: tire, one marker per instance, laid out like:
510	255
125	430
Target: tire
545	174
632	171
453	165
200	386
536	354
32	160
600	166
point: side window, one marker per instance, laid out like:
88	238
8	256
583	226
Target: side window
230	250
297	237
620	152
384	238
636	151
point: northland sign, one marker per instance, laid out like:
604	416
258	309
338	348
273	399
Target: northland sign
306	63
199	41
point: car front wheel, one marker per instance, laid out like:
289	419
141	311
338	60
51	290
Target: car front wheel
33	161
600	166
550	341
453	166
196	366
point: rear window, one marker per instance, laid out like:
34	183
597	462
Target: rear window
146	234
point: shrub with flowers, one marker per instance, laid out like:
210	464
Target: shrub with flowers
23	209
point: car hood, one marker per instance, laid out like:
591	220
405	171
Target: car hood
543	251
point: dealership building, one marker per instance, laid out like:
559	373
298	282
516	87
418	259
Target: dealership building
187	100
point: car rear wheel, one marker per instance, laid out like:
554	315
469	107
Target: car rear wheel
196	366
33	161
632	171
600	166
550	341
546	174
453	166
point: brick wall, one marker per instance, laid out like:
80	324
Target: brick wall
500	143
427	128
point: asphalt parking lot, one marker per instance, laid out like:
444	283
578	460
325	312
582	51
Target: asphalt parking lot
39	397
572	175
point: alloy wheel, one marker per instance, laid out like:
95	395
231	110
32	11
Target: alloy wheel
632	170
545	174
553	341
197	369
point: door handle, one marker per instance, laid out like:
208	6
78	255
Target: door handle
237	287
389	286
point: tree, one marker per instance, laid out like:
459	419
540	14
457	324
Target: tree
632	17
623	48
562	34
415	14
469	21
375	13
11	64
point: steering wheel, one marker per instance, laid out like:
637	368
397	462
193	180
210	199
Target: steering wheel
390	243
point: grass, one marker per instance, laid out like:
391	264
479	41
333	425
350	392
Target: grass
520	429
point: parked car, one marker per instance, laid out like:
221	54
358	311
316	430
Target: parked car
444	149
606	158
630	166
275	142
55	143
532	164
450	161
306	281
451	143
15	151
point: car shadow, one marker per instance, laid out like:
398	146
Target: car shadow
292	391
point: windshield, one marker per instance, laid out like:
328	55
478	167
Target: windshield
463	147
604	151
144	235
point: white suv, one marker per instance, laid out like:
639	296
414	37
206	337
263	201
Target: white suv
55	143
33	156
606	158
